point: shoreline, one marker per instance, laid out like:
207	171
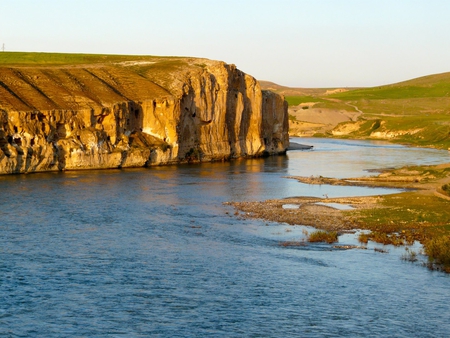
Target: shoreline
412	212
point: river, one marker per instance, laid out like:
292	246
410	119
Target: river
155	252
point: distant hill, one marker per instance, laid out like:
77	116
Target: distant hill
416	111
437	85
290	91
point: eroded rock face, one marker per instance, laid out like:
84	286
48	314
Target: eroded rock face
131	115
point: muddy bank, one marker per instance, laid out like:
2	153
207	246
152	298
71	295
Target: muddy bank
307	211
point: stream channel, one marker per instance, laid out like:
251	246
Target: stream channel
155	252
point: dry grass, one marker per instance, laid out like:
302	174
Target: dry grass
405	238
409	255
323	236
438	252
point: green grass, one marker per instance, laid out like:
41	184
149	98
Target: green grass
25	58
49	59
318	102
296	100
427	215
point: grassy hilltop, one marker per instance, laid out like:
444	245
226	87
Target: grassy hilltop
60	59
414	112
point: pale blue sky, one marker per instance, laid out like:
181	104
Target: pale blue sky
303	43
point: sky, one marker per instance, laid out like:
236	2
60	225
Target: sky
296	43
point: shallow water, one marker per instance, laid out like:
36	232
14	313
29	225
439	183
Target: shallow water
154	252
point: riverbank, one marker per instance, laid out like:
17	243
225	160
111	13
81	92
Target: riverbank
420	213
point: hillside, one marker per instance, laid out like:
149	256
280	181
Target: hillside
77	111
414	112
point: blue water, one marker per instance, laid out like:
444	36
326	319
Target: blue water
154	252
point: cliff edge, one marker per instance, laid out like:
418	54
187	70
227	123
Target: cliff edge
133	113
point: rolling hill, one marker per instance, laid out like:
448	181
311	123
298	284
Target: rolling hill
415	112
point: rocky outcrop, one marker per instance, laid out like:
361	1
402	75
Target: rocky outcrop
133	114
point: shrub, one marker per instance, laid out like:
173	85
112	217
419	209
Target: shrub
194	154
323	236
438	252
363	238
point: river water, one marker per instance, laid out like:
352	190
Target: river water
154	252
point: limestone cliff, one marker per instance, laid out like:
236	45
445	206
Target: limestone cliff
134	113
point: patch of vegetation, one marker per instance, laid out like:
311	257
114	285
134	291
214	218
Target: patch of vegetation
431	86
446	189
323	236
292	118
194	155
319	102
411	217
409	255
438	251
296	100
408	211
405	238
165	146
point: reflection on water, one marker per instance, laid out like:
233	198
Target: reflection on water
153	252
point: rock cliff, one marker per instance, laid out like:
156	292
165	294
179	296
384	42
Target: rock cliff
134	113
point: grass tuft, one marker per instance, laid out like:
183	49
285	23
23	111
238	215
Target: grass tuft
409	256
323	236
438	251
